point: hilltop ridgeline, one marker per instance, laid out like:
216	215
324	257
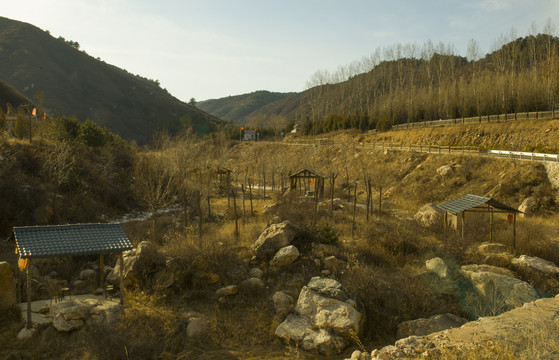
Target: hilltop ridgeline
64	81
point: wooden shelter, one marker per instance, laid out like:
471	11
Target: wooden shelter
67	240
475	203
311	182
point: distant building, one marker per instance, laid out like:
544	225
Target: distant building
249	135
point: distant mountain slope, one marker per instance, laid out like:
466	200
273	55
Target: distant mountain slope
74	83
435	83
9	95
239	108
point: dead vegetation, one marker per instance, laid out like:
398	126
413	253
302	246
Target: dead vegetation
384	252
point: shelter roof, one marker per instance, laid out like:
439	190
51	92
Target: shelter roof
307	173
470	202
64	240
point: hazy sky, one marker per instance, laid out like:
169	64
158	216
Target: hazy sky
215	48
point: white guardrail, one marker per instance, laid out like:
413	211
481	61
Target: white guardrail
524	155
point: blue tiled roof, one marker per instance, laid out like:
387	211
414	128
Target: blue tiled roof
63	240
470	201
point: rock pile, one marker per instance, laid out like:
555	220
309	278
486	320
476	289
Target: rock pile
324	317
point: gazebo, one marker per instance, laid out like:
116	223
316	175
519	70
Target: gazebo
68	240
307	179
475	203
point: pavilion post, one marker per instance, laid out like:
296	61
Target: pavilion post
121	279
29	324
463	221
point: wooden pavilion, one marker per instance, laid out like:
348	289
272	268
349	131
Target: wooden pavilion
474	203
309	183
68	240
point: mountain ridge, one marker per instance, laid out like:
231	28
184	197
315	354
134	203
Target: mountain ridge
69	82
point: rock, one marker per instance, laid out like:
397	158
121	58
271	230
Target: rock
497	293
528	206
445	170
487	248
437	266
332	263
7	286
107	314
271	209
536	263
421	327
26	333
227	291
252	286
285	256
197	327
163	279
70	315
137	263
429	215
542	273
273	238
255	272
488	268
520	334
283	303
88	275
324	317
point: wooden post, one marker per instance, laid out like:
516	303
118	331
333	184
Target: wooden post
236	218
250	197
315	205
243	191
463	221
354	210
490	224
29	324
514	233
101	270
121	279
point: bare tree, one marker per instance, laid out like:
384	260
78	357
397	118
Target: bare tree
154	184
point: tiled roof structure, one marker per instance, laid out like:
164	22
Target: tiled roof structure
307	173
64	240
470	201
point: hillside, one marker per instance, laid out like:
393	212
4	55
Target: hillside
65	81
428	82
198	262
240	108
9	95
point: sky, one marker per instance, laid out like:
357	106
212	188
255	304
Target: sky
208	49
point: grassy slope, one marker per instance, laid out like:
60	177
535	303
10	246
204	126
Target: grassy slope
385	256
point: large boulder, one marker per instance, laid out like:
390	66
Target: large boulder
495	293
421	327
283	303
285	256
139	264
528	206
429	215
437	266
273	238
70	315
7	286
542	273
445	170
324	318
